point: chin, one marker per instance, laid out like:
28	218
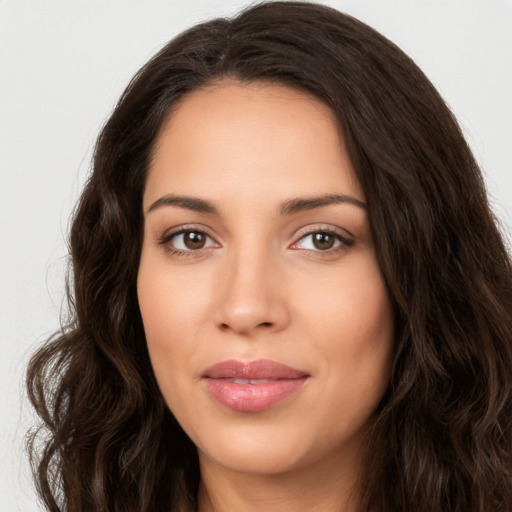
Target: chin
269	449
255	458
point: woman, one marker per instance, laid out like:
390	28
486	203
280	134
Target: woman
290	292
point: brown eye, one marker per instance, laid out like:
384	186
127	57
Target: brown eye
194	240
323	241
188	240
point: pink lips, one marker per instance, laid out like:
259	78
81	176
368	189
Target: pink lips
253	386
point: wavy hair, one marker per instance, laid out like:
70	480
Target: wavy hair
442	437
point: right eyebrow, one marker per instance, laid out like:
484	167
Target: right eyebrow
190	203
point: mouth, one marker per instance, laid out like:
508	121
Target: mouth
252	386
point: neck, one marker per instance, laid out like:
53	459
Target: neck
326	487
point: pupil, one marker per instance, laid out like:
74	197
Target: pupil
323	241
194	240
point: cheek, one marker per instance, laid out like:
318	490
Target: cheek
172	303
350	317
172	309
352	300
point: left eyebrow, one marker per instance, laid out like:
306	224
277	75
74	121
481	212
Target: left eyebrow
289	207
310	203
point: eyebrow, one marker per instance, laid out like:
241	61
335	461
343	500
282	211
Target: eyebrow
309	203
289	207
190	203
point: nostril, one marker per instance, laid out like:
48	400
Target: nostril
226	327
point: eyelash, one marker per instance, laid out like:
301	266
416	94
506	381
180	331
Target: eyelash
166	239
344	241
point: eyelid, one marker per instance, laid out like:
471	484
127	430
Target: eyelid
346	238
184	228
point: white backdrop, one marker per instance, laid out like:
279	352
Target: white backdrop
62	66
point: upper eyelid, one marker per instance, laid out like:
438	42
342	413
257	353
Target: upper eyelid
183	228
297	236
322	228
346	240
165	240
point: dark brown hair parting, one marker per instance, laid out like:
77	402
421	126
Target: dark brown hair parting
442	438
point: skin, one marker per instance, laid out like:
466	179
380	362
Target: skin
260	289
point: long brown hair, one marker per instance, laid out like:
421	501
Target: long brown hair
442	439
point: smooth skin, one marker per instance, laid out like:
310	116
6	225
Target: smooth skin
257	245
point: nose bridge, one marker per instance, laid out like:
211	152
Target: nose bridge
250	297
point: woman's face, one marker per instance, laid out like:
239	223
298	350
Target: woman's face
267	320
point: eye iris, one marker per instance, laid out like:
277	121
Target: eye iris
194	240
323	241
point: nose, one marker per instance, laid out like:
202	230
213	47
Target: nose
252	298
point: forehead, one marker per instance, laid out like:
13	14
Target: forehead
242	137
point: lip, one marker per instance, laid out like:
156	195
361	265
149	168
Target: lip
252	386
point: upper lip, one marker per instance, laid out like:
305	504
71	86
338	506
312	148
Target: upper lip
259	369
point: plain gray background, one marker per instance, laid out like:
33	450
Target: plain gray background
62	66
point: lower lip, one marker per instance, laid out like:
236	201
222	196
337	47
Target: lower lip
252	397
